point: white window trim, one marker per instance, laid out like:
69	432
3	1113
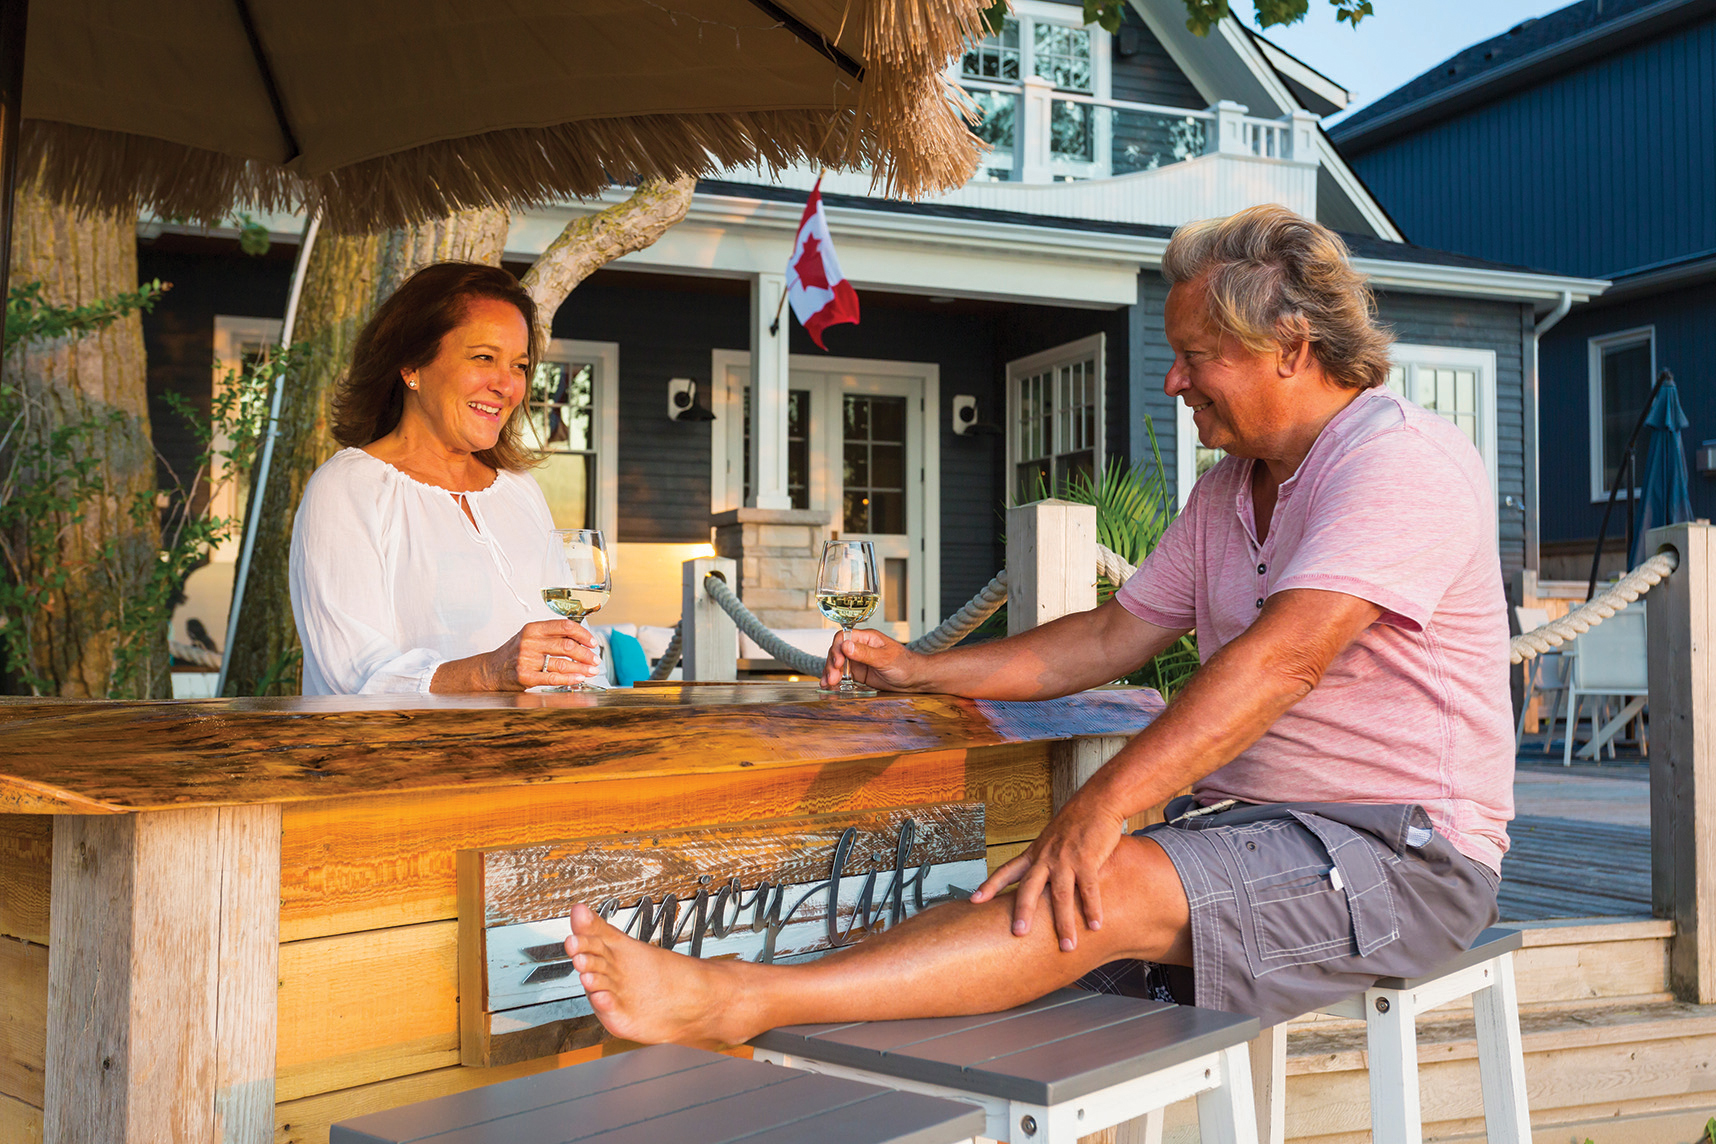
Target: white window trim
1101	81
1483	363
1594	348
1406	354
606	415
1035	363
231	332
726	444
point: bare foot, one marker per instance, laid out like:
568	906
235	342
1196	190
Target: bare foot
647	994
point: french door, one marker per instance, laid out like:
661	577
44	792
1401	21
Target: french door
862	446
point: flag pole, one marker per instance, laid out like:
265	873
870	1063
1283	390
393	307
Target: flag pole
775	326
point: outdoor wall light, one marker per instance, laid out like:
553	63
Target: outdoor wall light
682	401
965	422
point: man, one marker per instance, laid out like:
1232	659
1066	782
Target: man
1348	737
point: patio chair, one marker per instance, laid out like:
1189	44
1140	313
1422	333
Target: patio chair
1064	1066
1545	680
1608	662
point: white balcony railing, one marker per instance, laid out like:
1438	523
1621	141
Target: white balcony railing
1041	135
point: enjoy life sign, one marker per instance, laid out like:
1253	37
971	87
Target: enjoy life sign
780	891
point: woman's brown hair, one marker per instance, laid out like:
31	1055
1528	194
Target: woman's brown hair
405	333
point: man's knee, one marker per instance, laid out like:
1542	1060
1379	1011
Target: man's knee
1142	892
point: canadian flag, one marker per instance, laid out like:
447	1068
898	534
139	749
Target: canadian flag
819	293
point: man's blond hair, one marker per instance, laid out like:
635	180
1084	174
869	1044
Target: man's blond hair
1274	279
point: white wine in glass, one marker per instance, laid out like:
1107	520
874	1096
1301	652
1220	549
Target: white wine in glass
847	592
580	575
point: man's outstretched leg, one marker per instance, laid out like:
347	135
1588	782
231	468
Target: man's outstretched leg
952	960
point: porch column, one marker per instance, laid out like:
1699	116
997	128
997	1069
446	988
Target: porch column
1035	111
769	365
1681	613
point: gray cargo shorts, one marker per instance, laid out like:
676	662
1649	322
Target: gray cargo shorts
1298	905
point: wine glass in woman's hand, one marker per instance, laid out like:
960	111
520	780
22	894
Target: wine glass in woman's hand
580	574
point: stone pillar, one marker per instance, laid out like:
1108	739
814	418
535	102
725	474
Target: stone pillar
769	372
777	552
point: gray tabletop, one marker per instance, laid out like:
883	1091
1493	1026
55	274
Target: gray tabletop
1060	1047
669	1093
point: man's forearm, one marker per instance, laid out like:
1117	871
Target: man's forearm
1072	653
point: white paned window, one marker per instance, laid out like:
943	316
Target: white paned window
1055	418
1622	369
1457	383
571	415
1050	41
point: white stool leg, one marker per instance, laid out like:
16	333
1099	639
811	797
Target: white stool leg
1269	1083
1501	1058
1146	1129
1227	1114
1391	1034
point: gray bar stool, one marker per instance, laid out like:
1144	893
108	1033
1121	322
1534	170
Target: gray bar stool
1064	1066
666	1093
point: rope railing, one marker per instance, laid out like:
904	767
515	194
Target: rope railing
1114	568
1582	619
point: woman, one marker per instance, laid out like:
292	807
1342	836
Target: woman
420	550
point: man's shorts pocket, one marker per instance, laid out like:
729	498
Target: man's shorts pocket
1307	892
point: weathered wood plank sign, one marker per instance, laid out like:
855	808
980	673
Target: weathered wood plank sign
780	891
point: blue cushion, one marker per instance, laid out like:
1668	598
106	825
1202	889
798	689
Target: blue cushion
630	663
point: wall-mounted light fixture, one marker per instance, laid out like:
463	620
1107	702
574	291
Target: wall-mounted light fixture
682	401
965	422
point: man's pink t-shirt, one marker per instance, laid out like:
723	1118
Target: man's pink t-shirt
1392	505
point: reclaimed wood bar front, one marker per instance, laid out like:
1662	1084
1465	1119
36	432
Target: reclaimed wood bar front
236	921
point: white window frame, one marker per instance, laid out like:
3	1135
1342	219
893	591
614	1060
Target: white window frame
605	414
1594	348
1095	344
1483	362
1029	13
231	334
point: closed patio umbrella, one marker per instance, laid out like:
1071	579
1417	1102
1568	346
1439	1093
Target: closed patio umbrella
1665	495
377	113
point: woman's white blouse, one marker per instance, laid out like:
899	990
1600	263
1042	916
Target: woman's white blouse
390	580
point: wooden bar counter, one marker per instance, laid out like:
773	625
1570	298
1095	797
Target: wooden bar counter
235	920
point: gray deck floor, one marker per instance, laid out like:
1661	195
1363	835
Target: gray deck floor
1581	843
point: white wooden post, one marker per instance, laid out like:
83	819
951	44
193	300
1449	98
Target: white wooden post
770	366
1229	138
1034	139
1269	1083
709	643
1051	562
1681	614
1302	125
163	970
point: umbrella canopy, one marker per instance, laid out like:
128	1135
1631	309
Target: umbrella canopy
1665	496
385	112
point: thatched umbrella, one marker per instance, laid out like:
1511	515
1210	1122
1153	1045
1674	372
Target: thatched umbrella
379	113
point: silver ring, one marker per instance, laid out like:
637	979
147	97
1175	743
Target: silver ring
545	660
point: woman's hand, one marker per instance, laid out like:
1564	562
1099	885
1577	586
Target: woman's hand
544	653
877	661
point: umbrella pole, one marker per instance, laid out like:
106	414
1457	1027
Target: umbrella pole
13	17
260	485
1615	488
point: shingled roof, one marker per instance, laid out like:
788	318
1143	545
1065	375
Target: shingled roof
1525	54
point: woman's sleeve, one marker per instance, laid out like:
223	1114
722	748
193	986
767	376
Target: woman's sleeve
341	601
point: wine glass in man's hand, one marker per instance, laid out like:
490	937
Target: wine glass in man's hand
847	592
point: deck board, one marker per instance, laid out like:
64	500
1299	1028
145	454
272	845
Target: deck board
1565	868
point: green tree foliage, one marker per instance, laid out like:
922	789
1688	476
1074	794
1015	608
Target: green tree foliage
1202	15
49	480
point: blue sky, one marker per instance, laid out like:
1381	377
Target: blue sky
1403	39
